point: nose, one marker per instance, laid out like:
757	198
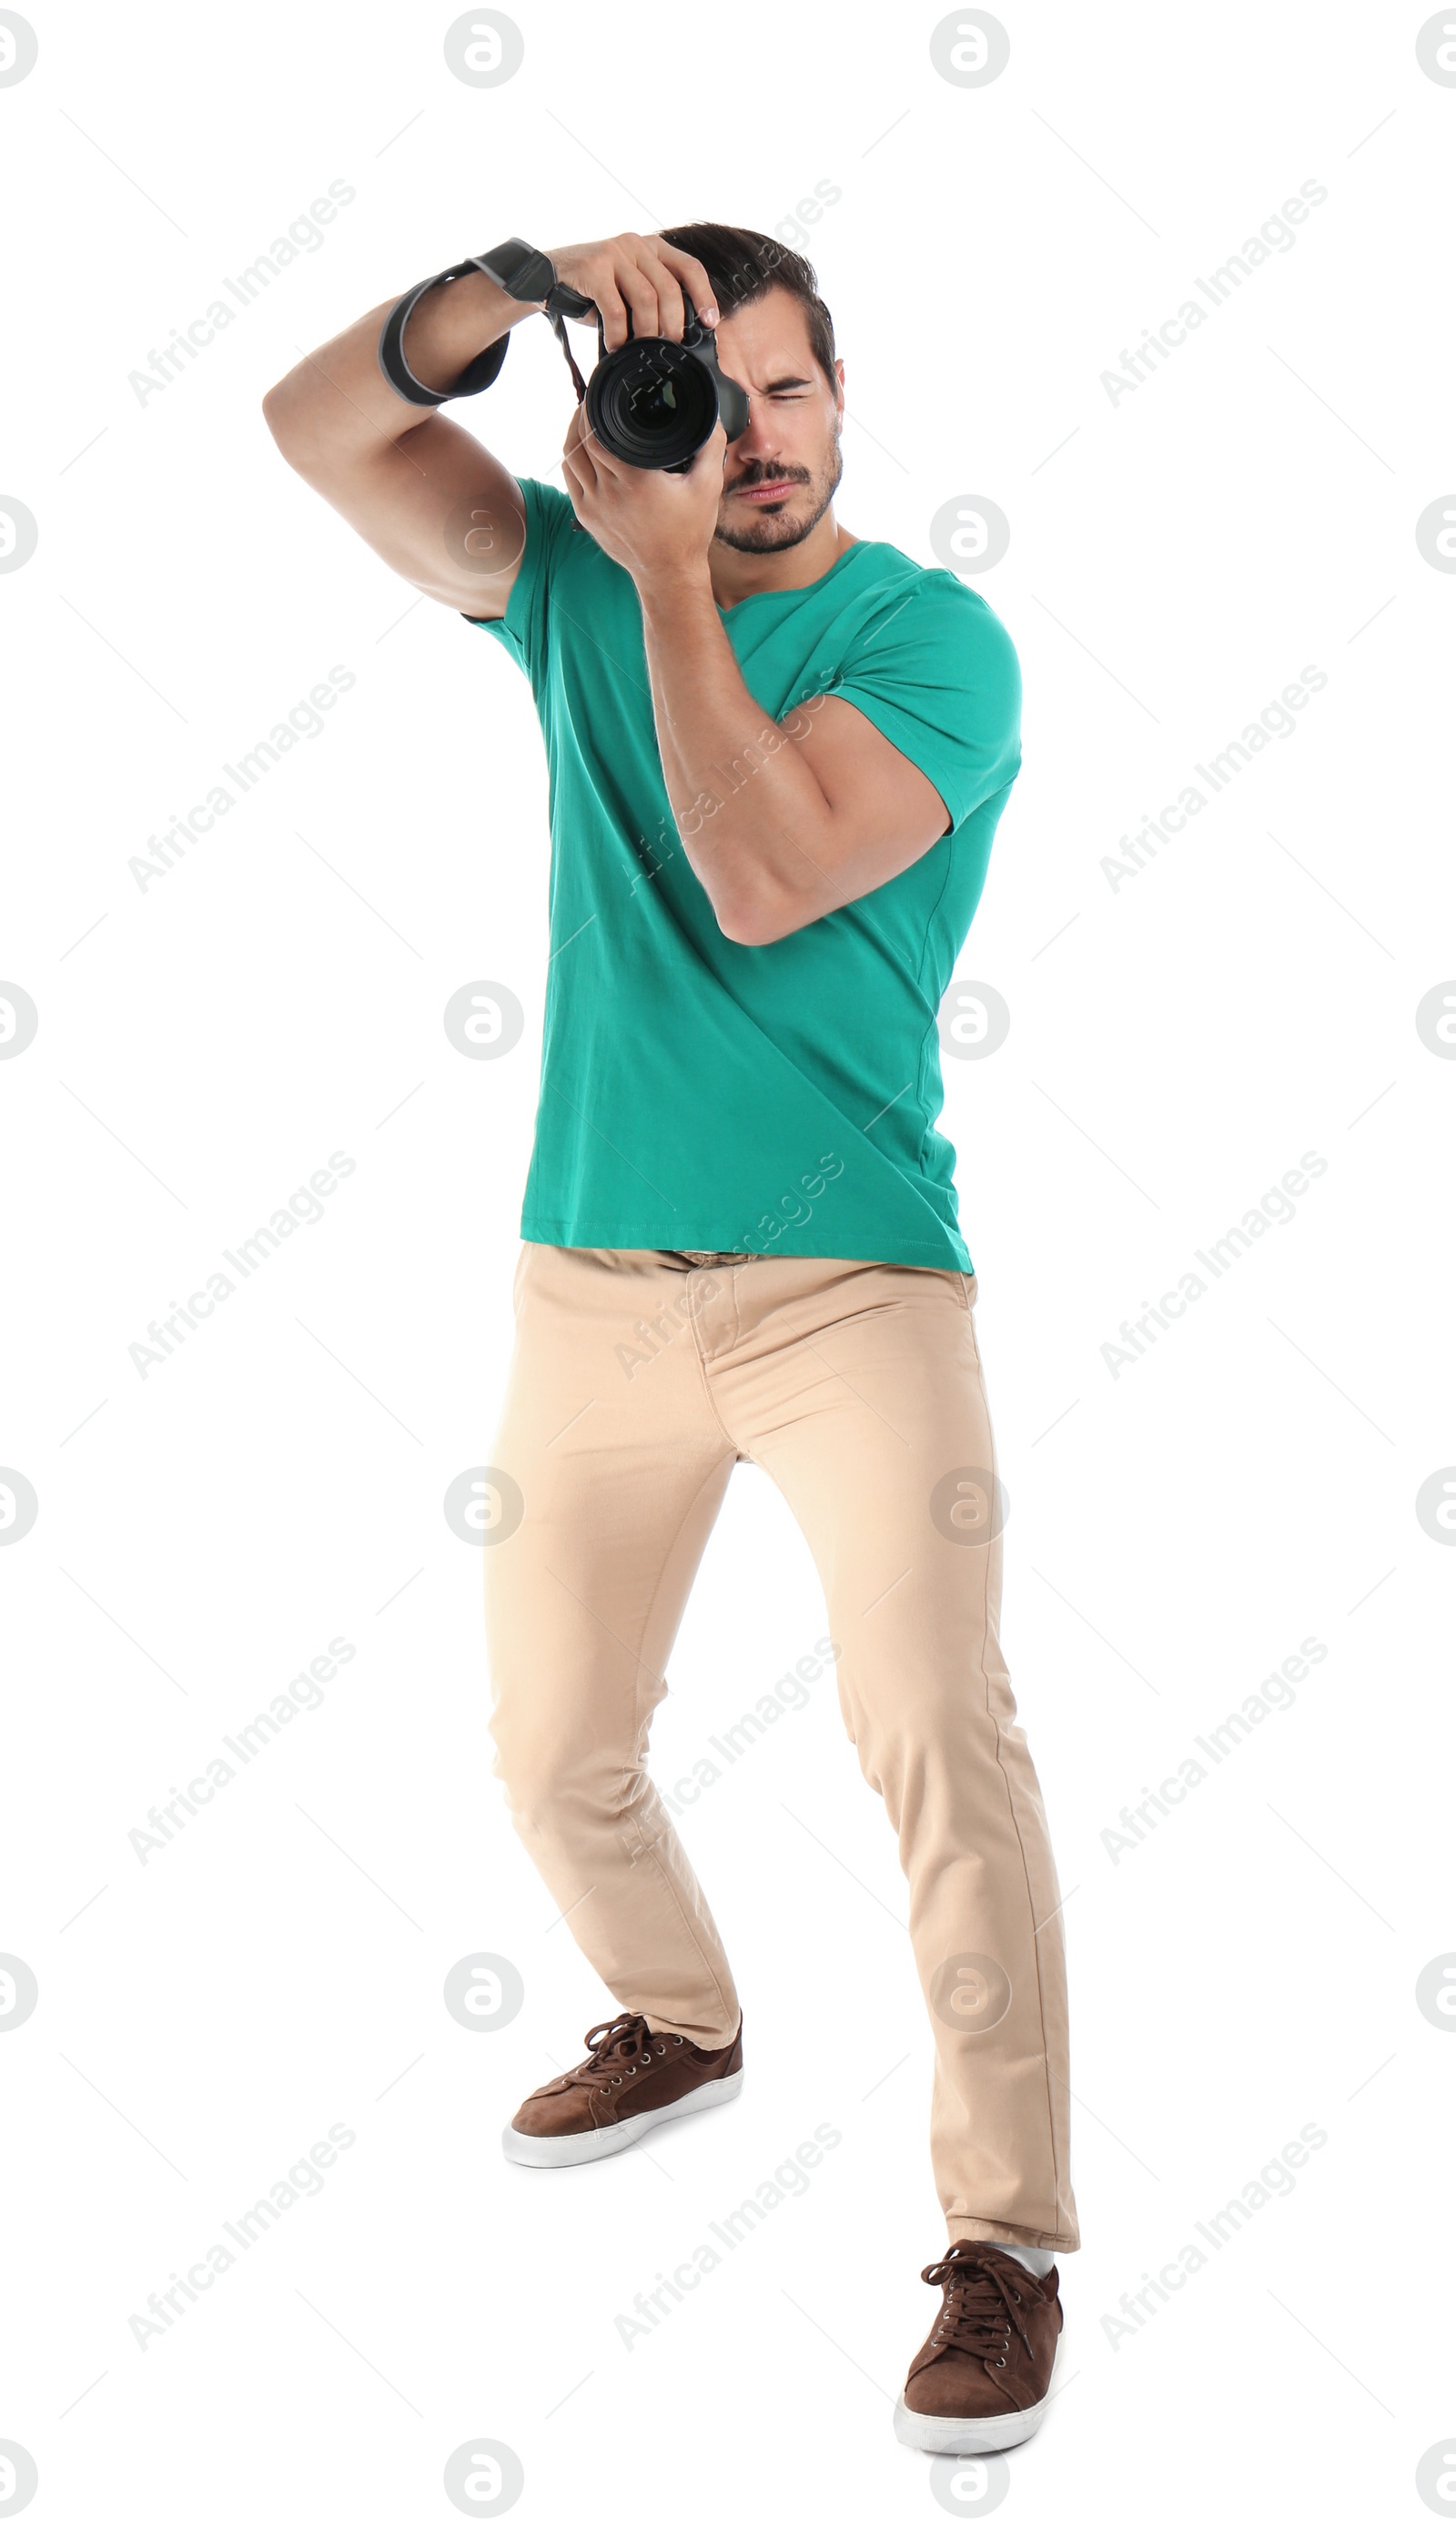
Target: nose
759	436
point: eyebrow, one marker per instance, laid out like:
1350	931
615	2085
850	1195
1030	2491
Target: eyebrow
774	384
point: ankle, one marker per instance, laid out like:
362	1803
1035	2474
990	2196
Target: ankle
1037	2260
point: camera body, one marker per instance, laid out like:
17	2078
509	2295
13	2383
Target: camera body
653	403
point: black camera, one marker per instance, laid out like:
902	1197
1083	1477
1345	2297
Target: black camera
653	403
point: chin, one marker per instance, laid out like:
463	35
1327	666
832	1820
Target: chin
759	533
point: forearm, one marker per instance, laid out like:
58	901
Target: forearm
336	407
752	817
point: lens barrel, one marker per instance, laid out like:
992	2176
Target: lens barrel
651	404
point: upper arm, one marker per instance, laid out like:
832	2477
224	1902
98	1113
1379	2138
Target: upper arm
877	813
884	812
922	730
438	508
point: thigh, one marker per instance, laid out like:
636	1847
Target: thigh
870	1414
610	1467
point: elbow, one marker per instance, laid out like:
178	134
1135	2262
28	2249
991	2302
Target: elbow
274	410
286	412
756	906
757	922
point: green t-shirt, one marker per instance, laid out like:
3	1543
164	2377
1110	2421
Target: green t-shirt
695	1092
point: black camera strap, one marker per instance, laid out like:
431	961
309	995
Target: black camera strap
519	270
482	372
559	329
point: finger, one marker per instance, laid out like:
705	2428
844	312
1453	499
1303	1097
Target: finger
611	310
574	456
596	458
671	313
692	277
587	446
641	296
577	459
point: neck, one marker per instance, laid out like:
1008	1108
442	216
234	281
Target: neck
736	575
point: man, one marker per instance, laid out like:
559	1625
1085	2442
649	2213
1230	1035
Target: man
778	755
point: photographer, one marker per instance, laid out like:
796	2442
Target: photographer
737	1131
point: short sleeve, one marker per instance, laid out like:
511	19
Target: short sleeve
936	673
523	629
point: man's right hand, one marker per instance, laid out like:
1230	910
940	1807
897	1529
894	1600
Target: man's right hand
640	273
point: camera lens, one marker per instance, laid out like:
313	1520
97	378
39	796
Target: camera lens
651	404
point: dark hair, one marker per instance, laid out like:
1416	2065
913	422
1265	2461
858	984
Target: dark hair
742	265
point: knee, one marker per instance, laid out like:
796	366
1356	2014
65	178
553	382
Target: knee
546	1770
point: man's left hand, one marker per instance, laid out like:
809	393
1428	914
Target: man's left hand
656	525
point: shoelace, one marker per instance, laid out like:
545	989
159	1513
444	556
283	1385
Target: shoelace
982	2306
617	2049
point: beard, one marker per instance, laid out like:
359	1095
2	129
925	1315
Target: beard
757	532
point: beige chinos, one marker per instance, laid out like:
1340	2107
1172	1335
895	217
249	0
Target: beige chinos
639	1378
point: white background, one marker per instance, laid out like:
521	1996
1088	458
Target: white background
1177	1043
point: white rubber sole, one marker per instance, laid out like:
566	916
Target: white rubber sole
569	2150
941	2436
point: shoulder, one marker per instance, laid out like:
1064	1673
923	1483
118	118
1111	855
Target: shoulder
914	603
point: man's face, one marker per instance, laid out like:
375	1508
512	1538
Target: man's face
780	477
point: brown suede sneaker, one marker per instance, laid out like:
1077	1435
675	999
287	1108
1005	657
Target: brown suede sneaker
631	2080
979	2380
